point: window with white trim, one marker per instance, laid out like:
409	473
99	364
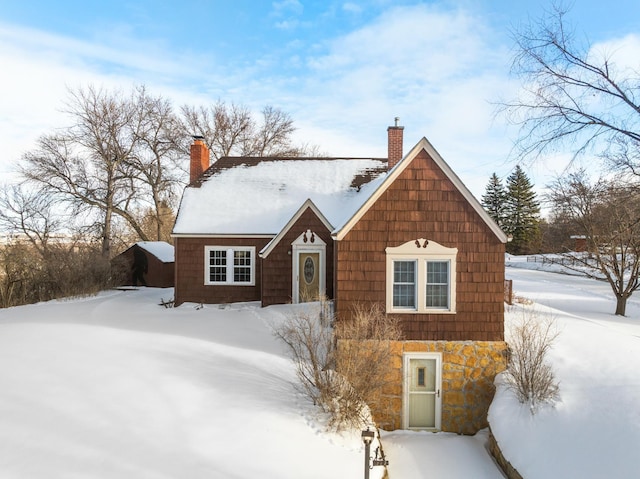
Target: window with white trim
404	284
438	285
421	278
229	265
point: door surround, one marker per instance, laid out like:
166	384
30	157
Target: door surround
307	242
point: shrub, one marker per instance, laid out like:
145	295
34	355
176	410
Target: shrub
529	374
341	368
29	276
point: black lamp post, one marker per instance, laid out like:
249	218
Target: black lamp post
367	438
380	460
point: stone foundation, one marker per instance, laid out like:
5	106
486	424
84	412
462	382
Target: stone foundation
468	372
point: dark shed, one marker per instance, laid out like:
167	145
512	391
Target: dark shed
150	262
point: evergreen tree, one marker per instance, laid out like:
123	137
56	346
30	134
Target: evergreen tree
522	214
494	200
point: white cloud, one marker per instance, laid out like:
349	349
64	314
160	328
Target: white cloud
286	6
438	70
39	68
290	10
351	7
622	56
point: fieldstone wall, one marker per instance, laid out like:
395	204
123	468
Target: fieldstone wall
468	372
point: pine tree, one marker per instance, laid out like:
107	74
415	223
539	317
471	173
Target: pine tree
523	214
494	200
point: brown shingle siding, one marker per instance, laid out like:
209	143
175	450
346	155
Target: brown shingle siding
424	203
190	272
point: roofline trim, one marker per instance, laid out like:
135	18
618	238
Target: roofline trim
393	174
223	235
306	205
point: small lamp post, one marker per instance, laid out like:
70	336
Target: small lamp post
367	438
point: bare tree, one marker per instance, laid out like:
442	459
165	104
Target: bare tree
115	160
623	156
87	164
224	127
273	136
155	161
43	257
231	130
571	94
119	164
29	213
607	213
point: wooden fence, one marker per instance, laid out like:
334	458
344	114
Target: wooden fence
508	291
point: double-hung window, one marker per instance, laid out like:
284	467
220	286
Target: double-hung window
404	284
438	284
230	265
421	278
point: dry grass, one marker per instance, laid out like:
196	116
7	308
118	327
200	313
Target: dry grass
342	369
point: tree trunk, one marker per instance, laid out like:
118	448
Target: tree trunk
106	231
621	305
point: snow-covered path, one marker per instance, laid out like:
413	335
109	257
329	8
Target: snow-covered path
422	455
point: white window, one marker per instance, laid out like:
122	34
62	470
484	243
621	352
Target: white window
421	278
404	284
229	265
438	284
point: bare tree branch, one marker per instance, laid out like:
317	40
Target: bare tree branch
607	213
571	95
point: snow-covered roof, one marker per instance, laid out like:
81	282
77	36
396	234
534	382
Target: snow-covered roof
161	250
260	195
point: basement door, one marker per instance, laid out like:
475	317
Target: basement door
422	401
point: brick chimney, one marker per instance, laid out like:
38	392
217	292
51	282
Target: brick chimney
199	158
395	143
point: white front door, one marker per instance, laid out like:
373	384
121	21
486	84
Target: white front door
422	402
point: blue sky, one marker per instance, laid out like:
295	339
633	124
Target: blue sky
342	69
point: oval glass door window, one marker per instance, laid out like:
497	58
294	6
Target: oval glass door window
309	270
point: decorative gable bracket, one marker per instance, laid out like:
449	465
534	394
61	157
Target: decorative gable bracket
421	246
309	238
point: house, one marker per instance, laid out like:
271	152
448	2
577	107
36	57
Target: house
154	260
403	232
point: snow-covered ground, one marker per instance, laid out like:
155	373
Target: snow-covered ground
117	386
593	431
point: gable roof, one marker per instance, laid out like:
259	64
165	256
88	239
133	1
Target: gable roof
306	205
259	196
160	249
341	230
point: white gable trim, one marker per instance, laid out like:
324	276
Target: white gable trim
274	242
398	169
